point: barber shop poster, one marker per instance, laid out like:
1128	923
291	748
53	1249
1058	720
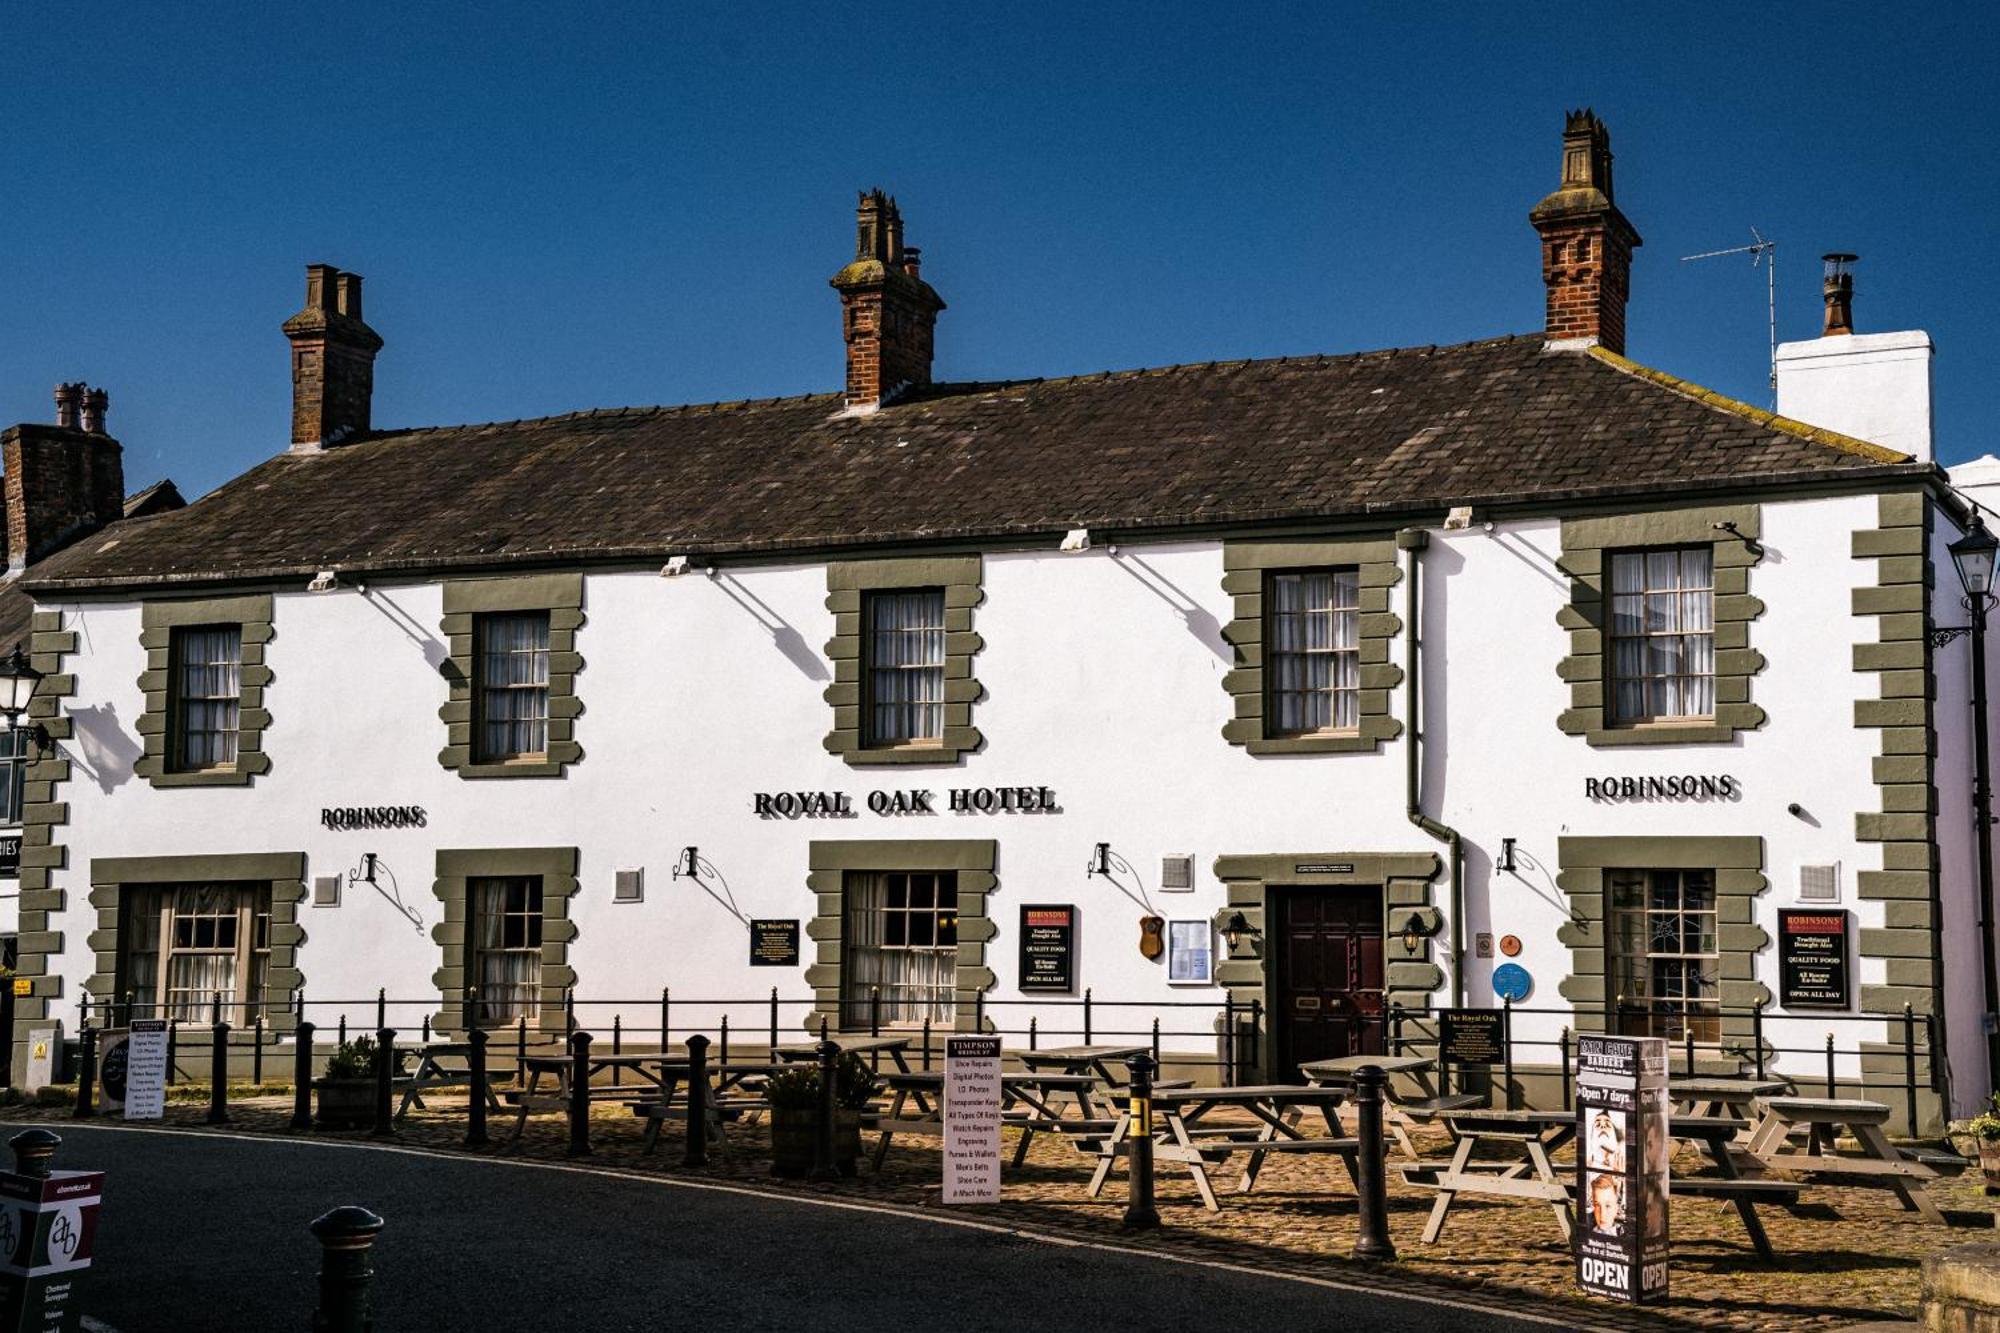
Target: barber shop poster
1621	1167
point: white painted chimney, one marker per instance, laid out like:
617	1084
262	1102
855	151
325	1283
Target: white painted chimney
1874	386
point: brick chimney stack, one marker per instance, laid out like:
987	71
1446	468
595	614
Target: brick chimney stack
333	361
62	481
1587	243
888	312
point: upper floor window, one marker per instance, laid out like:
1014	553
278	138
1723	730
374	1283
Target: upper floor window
1662	658
511	686
903	667
207	676
189	947
1312	669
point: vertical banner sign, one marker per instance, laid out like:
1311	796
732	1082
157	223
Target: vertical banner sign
1621	1167
146	1069
1812	959
972	1119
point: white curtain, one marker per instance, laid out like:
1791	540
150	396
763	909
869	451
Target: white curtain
509	962
906	666
514	685
202	961
891	946
1315	661
1663	634
211	684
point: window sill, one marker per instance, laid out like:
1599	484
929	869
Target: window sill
540	767
930	753
1328	742
1705	731
206	777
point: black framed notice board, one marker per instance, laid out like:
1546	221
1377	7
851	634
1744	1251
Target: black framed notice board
1813	968
1048	947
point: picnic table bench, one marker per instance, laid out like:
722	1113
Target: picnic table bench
1530	1137
1101	1061
1027	1102
439	1064
1728	1098
730	1097
652	1067
1716	1136
1195	1144
896	1048
1878	1165
1402	1112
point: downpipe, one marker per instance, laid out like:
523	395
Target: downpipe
1412	541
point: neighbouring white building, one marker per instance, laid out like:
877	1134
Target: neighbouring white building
482	715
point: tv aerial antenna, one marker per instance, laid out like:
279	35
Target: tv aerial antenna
1763	254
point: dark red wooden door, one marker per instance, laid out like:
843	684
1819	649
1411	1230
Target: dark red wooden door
1329	977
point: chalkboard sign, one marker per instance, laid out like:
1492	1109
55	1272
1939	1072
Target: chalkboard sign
1048	947
774	943
1812	959
1472	1037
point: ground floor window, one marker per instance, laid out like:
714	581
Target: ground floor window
506	942
1663	953
188	946
13	773
899	947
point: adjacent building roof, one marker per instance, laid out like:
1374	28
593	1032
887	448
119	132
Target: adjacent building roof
17	607
1412	431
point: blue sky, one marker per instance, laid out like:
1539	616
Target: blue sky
568	206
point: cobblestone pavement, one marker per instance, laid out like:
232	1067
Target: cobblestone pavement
1847	1255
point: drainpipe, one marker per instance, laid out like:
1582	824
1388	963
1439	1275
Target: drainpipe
1412	542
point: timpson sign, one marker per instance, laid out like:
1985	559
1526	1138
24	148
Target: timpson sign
906	801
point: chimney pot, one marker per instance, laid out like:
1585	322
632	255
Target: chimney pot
95	403
1838	289
68	401
348	300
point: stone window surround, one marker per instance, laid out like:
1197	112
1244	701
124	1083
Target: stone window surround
1585	544
1738	863
847	584
283	873
252	615
1247	566
973	859
1405	878
456	867
42	818
561	595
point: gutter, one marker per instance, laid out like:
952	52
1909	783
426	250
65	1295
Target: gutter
1412	541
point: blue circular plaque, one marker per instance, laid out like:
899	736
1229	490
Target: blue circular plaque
1512	982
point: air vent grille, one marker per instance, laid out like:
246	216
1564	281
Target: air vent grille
1177	872
326	891
630	887
1819	884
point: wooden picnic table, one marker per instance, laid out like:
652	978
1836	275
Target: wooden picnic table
1530	1136
893	1047
439	1064
1098	1060
1879	1165
1402	1113
1027	1102
1716	1136
653	1067
1187	1139
1730	1098
731	1078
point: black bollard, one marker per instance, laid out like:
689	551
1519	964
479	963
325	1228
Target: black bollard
34	1152
1140	1212
218	1069
346	1236
1371	1241
823	1167
579	1094
302	1076
86	1074
385	1092
697	1102
475	1110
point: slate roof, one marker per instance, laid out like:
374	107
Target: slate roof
17	608
1375	434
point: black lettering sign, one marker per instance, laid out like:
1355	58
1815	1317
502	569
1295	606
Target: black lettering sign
1812	959
346	817
10	854
1323	868
1472	1037
1048	947
774	943
1670	787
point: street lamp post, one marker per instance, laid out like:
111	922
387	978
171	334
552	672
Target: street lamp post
1973	555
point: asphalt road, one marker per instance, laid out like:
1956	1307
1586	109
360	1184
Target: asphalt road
210	1234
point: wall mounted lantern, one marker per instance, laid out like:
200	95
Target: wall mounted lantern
18	679
1237	929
